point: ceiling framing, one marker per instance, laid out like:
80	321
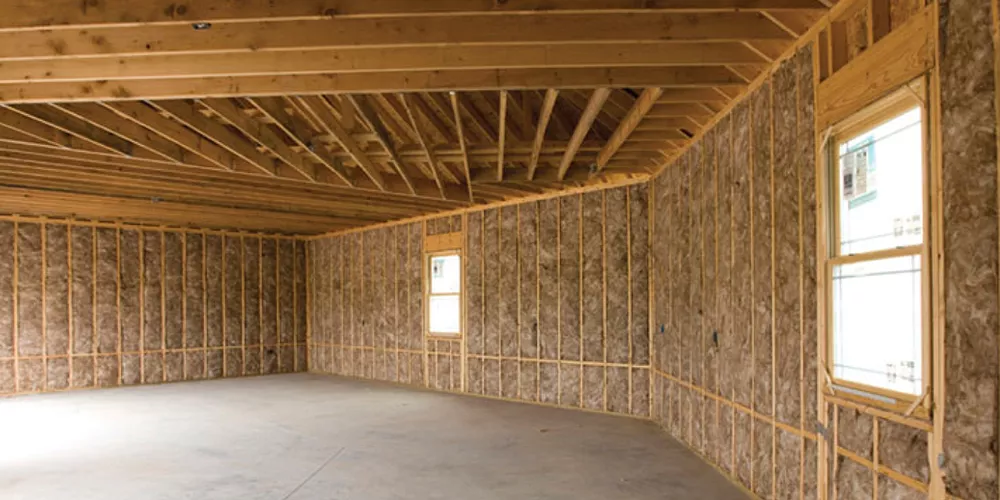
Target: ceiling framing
307	116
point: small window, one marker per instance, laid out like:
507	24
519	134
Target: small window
877	267
444	301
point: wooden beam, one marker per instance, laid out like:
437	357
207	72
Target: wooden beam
604	123
628	125
461	143
431	159
691	78
146	211
501	133
186	113
370	117
540	27
321	112
261	134
60	13
594	105
548	104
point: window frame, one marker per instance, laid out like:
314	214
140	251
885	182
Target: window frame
889	107
429	256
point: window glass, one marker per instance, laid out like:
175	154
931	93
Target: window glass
445	314
877	323
880	184
446	274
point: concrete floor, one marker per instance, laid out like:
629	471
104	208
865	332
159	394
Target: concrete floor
298	437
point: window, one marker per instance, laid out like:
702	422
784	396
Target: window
444	297
877	265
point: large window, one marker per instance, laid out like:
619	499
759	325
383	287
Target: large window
877	267
444	297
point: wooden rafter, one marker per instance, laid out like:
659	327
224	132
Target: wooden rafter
174	131
320	110
108	121
501	134
548	105
594	105
274	109
461	143
55	117
262	135
627	125
25	124
187	114
375	123
409	104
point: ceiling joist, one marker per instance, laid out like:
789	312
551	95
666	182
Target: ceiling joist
316	115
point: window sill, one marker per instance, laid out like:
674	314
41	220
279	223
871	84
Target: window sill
919	419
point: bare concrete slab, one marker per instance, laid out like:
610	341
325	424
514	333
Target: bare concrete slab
301	436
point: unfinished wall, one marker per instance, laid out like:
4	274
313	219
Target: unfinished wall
96	305
734	252
969	206
556	303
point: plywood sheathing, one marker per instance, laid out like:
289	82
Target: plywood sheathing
969	188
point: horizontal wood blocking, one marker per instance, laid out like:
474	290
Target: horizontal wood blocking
901	56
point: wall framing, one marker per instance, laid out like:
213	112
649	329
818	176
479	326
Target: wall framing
577	340
79	295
